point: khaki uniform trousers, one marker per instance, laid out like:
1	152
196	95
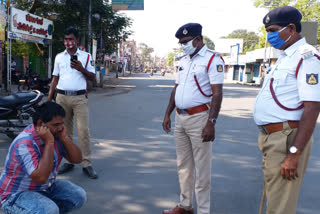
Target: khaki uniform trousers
282	194
77	106
193	161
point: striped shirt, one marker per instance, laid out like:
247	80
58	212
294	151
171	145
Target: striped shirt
22	159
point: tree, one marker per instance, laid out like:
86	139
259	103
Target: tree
310	9
208	42
250	39
111	26
170	59
271	4
145	53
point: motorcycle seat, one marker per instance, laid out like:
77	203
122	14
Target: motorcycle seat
44	80
16	99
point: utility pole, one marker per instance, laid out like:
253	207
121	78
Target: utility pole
9	48
117	59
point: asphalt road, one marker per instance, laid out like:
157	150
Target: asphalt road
135	159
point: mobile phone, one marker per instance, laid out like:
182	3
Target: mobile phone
74	58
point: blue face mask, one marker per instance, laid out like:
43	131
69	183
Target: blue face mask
275	40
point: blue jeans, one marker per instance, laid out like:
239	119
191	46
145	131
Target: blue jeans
62	197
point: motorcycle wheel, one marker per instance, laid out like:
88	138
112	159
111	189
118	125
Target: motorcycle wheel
23	88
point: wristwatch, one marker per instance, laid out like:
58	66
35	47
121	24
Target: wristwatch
294	150
213	120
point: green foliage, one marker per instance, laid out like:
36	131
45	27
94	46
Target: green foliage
19	48
208	42
250	39
145	52
169	61
310	9
271	3
111	25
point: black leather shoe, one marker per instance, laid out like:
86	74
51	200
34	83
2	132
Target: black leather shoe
89	171
66	167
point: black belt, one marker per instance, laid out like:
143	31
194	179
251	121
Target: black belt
71	93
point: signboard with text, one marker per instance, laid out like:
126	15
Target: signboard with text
128	4
28	38
3	21
26	23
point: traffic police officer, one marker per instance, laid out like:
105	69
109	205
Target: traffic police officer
286	110
197	98
72	70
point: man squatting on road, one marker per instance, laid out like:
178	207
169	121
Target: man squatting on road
28	182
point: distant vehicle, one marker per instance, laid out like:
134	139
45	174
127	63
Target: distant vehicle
163	72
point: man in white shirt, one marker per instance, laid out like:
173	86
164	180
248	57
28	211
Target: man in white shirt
72	70
197	98
286	110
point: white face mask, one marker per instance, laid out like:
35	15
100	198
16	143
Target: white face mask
188	48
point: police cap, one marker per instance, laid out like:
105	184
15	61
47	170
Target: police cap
282	16
190	29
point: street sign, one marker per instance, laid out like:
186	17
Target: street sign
26	23
28	38
3	21
128	4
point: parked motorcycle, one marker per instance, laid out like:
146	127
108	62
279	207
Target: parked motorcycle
16	76
33	82
16	110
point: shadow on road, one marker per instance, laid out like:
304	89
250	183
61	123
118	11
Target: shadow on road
136	160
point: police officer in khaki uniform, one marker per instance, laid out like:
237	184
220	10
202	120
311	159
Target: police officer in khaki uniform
286	110
72	70
197	98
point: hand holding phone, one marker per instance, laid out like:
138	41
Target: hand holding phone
75	64
74	58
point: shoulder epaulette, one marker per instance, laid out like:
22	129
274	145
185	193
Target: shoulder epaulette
306	51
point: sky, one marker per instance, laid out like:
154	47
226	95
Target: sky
157	24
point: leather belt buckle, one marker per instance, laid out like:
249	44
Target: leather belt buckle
276	127
262	129
70	93
182	111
